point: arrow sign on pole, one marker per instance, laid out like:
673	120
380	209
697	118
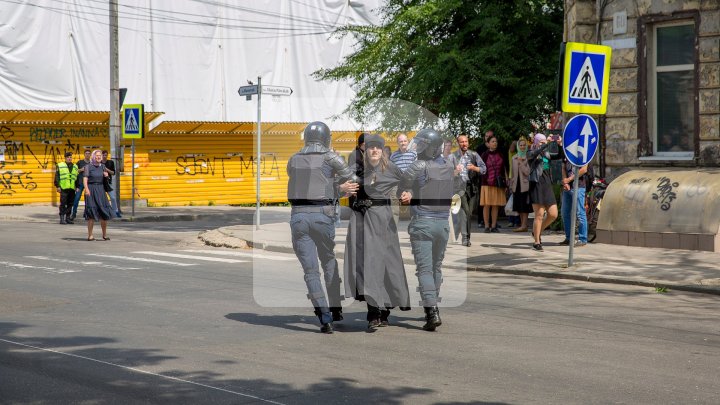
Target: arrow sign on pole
580	139
581	151
277	90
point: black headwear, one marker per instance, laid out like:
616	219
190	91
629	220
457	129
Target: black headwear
373	139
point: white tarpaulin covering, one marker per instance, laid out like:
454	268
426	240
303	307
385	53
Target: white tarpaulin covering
186	58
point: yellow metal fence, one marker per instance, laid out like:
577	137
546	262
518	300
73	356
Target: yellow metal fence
177	163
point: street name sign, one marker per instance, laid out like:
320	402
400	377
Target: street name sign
586	78
248	90
277	90
580	139
133	121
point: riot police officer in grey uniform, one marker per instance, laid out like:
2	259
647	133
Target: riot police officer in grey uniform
428	187
311	192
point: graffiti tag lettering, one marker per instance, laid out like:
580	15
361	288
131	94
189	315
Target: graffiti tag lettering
9	178
665	194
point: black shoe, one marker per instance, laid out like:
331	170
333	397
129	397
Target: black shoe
384	315
373	325
566	242
432	319
466	241
72	217
487	230
538	247
337	316
326	328
494	230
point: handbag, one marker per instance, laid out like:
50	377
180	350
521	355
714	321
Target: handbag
106	182
500	182
509	207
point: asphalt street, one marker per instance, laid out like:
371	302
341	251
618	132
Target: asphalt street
156	316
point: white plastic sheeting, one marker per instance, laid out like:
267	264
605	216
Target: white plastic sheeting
186	58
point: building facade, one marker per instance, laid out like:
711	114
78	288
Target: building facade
664	96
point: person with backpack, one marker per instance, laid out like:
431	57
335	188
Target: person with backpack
569	171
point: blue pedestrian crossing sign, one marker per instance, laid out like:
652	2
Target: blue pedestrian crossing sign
580	139
586	78
133	124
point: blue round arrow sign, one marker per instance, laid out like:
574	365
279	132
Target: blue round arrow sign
580	139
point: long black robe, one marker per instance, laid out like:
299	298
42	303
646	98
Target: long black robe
374	270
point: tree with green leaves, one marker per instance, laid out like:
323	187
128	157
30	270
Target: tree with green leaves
477	65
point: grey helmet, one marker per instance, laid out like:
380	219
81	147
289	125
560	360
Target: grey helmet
427	143
317	132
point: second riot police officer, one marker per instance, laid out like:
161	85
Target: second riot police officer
311	192
428	185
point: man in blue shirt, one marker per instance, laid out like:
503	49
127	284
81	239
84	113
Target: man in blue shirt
403	157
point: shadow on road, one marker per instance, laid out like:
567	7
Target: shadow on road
67	370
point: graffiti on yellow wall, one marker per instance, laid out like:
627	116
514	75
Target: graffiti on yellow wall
169	168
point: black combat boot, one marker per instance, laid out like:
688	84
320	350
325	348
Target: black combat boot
62	219
432	318
68	219
336	314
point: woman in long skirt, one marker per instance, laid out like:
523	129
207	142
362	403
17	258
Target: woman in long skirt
97	207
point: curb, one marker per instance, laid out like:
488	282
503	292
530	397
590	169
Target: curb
229	241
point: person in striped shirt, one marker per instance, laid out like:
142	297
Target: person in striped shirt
403	158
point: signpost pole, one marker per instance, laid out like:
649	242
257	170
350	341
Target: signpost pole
257	158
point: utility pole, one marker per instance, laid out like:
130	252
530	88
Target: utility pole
114	130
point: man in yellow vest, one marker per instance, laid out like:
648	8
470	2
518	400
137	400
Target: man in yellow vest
65	176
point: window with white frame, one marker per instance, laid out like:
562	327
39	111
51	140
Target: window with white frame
671	106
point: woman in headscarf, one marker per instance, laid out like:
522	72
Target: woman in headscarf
374	270
542	195
520	185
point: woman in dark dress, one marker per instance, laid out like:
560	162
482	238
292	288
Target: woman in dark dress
97	207
374	270
542	195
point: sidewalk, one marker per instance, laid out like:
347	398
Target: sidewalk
505	252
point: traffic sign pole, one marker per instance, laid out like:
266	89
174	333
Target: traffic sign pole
248	91
257	157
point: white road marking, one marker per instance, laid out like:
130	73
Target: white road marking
240	254
43	268
96	264
140	259
179	256
137	370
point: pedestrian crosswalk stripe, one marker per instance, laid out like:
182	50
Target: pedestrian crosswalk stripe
241	254
179	256
43	268
82	263
586	85
139	259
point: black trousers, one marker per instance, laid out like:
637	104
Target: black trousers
468	202
67	198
